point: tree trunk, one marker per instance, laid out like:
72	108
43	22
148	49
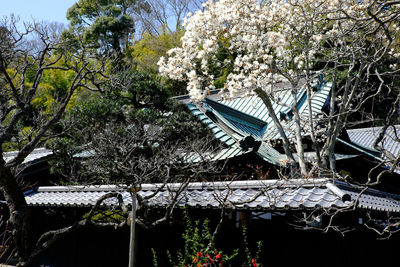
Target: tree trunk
286	145
312	129
16	203
299	139
133	231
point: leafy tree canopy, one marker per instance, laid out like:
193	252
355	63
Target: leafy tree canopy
148	50
106	24
131	133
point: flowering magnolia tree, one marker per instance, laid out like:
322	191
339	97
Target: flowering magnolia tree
252	45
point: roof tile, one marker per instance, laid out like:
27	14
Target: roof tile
255	195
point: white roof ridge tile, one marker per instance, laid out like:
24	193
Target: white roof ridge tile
193	186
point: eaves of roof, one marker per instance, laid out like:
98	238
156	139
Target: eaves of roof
359	148
238	119
271	155
257	195
232	141
218	132
312	156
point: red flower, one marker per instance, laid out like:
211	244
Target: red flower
209	258
195	260
199	254
253	261
218	257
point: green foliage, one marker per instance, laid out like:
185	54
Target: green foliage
220	82
149	48
199	248
217	69
130	122
133	97
104	24
115	216
10	146
155	262
51	90
250	259
95	113
137	90
31	73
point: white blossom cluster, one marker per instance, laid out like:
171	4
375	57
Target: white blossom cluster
265	42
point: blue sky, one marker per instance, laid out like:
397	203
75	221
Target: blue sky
41	10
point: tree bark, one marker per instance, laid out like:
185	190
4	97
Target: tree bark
16	204
286	144
133	230
299	139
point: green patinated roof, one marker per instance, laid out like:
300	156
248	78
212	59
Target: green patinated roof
244	122
222	154
253	106
219	134
265	151
232	120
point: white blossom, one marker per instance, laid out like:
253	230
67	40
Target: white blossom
264	38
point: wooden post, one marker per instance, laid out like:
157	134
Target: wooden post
133	191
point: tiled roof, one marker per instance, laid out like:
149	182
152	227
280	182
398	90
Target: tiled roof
367	136
36	155
248	195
